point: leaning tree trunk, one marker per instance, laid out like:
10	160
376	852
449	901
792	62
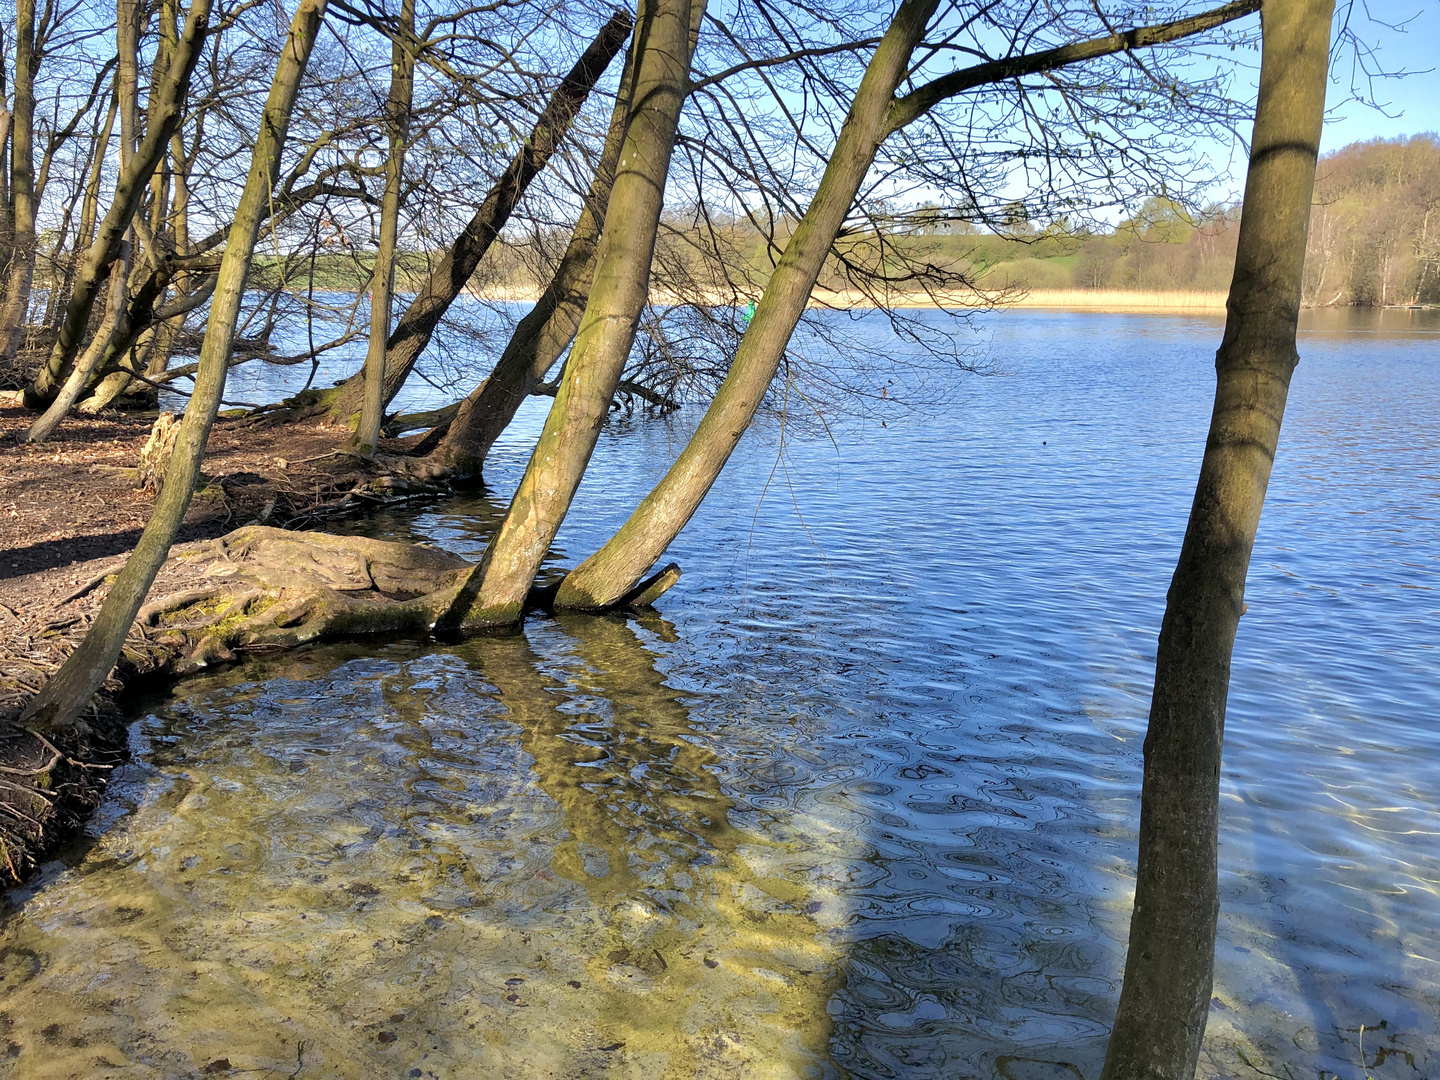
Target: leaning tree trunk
544	334
66	694
397	120
140	313
496	591
616	569
613	573
130	188
1170	965
100	347
22	184
450	277
90	203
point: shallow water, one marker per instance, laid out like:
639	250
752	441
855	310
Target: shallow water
861	800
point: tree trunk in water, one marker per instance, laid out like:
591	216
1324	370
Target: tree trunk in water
22	184
130	188
67	693
615	570
1170	965
613	574
544	334
382	282
495	592
449	279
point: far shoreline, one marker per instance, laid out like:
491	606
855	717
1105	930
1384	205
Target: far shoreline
1098	301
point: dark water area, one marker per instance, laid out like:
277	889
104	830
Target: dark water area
859	800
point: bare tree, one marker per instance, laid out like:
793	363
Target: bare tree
664	40
397	120
66	694
612	573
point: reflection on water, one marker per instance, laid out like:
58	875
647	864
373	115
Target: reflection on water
505	854
865	806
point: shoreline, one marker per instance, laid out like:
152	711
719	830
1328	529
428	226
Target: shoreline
72	515
1099	301
1079	300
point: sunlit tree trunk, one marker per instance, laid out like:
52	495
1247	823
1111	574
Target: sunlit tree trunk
397	119
454	271
1169	968
101	347
64	697
130	189
22	184
543	335
617	568
496	591
612	574
90	203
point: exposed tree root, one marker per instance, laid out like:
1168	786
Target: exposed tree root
268	588
254	589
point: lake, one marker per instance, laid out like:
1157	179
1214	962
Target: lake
860	799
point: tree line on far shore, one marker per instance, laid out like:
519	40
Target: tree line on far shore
1374	237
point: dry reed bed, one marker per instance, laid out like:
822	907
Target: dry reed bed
1111	300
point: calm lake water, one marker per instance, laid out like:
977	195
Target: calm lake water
859	801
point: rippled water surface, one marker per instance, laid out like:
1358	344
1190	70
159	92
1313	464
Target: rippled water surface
859	801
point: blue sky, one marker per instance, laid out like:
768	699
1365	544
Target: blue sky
1413	102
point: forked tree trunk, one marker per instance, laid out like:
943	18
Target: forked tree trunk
614	572
62	699
543	335
382	282
100	347
496	591
618	567
1169	968
22	184
450	277
130	188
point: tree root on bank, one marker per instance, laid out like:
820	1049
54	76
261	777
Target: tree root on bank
255	589
263	588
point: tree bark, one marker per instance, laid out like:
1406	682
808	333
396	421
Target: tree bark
66	694
130	188
22	184
450	277
496	591
90	203
100	347
616	570
1169	969
397	110
544	334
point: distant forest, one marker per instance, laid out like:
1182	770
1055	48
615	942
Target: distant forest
1374	241
1374	238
